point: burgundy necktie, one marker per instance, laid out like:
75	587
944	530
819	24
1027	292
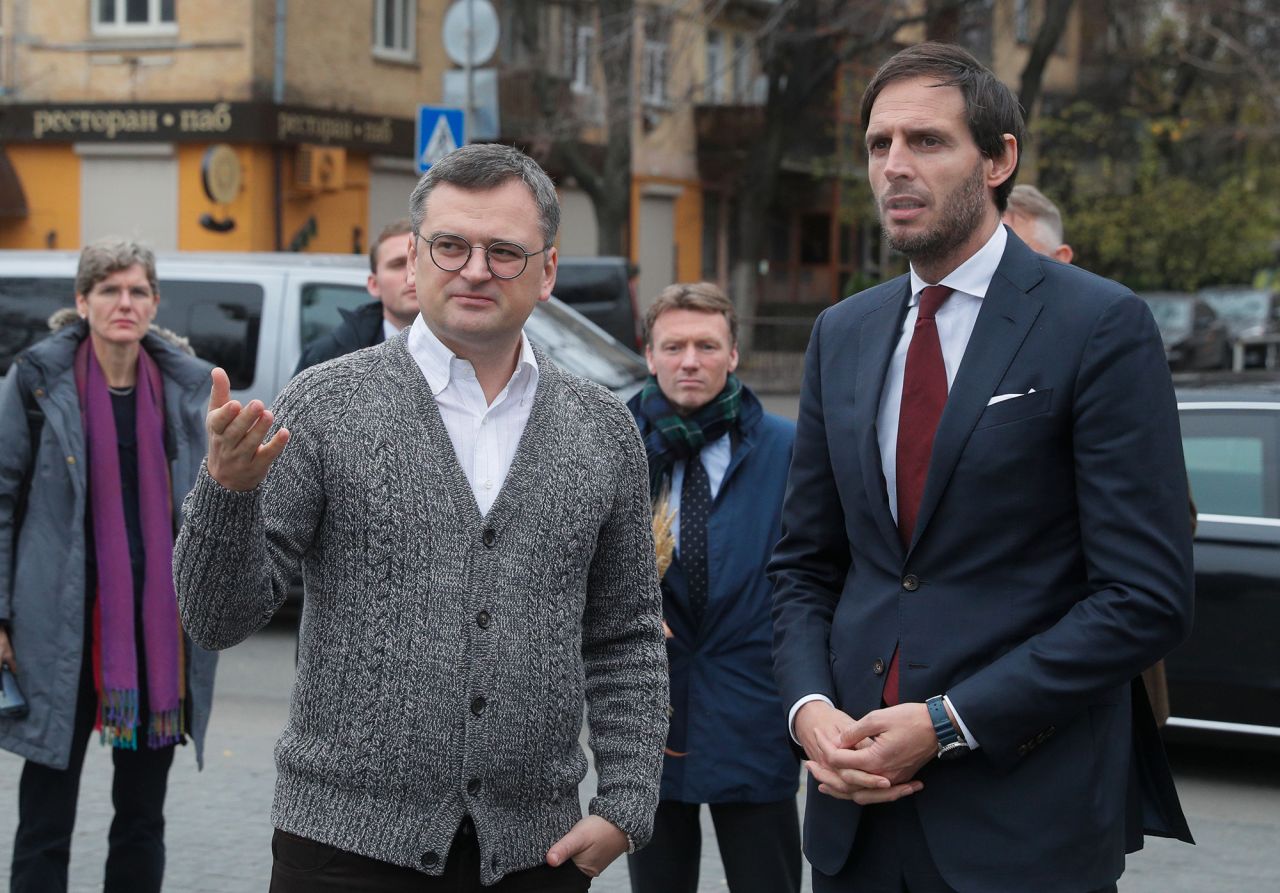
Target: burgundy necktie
924	394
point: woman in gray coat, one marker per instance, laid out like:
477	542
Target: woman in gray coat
101	436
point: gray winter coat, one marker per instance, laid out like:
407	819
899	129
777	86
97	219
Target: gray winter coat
42	565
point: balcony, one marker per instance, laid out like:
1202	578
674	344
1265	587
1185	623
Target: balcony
728	133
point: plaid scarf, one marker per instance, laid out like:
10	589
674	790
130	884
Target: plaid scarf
672	437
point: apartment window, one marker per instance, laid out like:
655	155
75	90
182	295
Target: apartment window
393	29
741	69
714	87
656	57
134	16
519	34
655	72
1022	20
580	42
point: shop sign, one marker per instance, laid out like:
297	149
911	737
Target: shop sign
246	122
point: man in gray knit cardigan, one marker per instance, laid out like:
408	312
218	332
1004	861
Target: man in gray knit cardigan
473	529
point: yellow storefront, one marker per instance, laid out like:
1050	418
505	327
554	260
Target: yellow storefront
220	176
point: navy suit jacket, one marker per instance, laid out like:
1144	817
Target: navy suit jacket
1051	563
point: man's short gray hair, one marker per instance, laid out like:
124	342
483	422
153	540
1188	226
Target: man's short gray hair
488	166
1027	201
100	259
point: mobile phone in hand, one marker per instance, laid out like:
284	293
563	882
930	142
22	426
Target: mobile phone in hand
12	704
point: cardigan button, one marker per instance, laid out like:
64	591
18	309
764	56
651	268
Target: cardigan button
482	619
430	859
488	537
473	786
478	705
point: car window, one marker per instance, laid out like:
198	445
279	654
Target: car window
1231	460
578	347
592	283
1241	308
221	319
322	303
26	303
1170	314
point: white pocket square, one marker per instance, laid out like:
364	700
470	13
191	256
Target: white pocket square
1000	398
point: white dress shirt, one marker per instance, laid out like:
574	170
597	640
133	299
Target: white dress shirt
389	330
715	459
484	435
955	320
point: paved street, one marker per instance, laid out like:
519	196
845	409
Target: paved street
219	830
219	827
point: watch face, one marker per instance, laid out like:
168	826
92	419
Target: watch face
953	750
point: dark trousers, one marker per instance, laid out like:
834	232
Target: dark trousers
300	865
759	847
890	855
47	814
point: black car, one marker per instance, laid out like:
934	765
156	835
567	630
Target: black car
600	289
1194	338
1226	676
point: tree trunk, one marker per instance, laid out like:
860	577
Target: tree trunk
800	53
611	196
1047	37
795	69
605	179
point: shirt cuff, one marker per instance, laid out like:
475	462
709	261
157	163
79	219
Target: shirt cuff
795	708
964	730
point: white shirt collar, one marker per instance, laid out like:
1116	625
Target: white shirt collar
973	277
438	363
389	330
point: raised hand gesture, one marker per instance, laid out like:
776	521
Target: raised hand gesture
238	459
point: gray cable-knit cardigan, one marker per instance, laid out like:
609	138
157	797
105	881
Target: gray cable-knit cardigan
445	657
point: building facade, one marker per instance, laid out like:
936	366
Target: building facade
289	125
237	125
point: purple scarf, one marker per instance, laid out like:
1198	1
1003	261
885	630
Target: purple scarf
115	650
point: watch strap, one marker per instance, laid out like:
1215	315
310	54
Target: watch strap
943	727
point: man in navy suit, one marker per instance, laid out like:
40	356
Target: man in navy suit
985	537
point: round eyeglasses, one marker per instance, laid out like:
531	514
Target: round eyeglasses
506	260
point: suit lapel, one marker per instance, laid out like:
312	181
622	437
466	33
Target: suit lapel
1006	317
878	337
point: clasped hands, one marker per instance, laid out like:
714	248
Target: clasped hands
871	760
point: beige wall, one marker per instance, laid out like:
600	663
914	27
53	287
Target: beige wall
330	61
262	49
578	234
668	147
225	49
62	60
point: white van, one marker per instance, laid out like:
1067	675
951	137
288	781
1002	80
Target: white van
252	314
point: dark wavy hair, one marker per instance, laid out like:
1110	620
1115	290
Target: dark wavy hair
991	107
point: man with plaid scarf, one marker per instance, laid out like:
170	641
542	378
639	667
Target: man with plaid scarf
718	465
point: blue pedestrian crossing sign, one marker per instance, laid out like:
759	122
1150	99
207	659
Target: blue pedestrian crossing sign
439	132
